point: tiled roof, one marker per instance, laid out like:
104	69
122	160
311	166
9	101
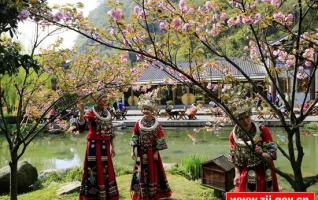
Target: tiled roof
221	162
255	71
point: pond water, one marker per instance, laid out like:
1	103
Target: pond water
65	151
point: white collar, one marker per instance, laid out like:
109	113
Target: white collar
241	142
153	127
107	118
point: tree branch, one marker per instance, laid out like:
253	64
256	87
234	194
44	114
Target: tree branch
299	32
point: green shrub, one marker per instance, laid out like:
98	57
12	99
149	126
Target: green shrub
51	177
312	126
179	171
192	166
73	174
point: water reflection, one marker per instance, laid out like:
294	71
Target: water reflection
65	151
64	164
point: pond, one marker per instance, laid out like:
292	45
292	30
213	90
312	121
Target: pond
65	151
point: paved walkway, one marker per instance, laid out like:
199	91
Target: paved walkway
202	119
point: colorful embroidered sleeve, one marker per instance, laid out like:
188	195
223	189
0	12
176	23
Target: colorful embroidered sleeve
268	146
134	141
161	142
82	126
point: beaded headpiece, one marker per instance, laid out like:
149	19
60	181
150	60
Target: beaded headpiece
239	103
148	104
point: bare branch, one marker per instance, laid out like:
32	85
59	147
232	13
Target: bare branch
288	177
283	152
299	32
308	111
312	77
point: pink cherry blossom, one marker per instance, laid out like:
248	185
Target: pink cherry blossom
247	20
275	3
59	16
182	6
123	58
163	26
186	27
223	16
139	57
208	5
67	17
282	56
289	19
190	11
299	76
209	86
257	18
279	17
116	14
276	52
266	1
50	14
133	71
309	54
253	50
215	30
176	22
300	69
289	63
307	63
238	20
23	15
231	22
138	11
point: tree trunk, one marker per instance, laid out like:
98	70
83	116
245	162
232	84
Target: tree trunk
296	161
299	184
13	176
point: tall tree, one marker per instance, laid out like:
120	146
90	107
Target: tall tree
163	32
29	77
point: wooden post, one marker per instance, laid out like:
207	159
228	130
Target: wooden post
273	91
174	94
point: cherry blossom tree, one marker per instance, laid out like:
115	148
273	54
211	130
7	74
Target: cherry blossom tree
28	77
162	33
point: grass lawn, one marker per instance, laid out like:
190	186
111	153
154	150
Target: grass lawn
181	187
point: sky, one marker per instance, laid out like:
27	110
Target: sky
26	30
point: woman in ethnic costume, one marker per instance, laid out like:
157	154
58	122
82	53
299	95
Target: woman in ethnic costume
254	169
149	180
98	180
